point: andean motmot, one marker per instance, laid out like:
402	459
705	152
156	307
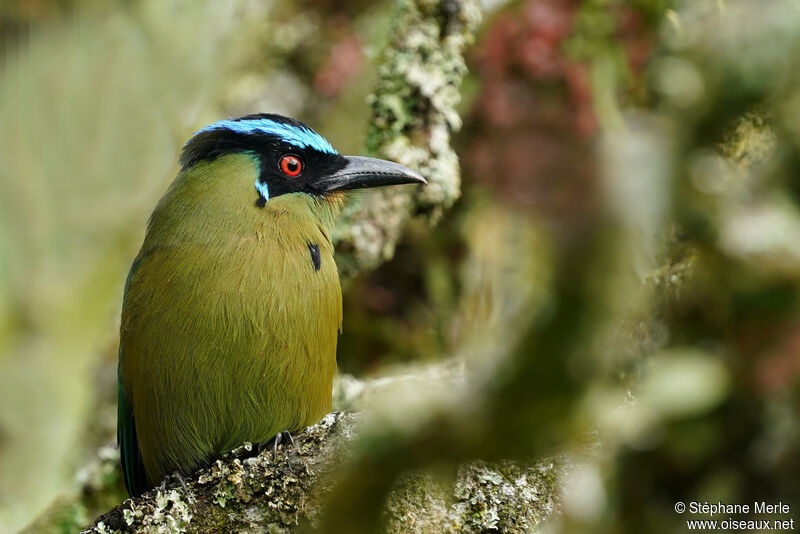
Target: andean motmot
232	308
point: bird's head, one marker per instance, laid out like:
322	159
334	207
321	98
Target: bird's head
290	160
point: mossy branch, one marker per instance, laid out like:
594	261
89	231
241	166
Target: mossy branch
413	117
246	493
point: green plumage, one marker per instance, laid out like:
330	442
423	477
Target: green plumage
228	329
233	306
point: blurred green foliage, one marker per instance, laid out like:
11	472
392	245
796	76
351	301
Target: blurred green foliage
96	100
621	276
662	364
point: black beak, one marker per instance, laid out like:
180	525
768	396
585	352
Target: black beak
360	173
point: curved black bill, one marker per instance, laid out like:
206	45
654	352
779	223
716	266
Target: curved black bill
363	172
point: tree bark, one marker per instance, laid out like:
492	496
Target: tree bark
246	493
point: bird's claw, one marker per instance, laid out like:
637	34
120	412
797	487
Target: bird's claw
177	477
279	439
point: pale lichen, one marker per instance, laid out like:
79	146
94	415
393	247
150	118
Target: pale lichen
243	493
503	497
413	117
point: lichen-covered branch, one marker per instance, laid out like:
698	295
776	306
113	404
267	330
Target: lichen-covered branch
256	493
413	116
240	492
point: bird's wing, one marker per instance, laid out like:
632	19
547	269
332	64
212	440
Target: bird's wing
131	457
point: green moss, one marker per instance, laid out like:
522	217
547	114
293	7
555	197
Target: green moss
750	140
506	497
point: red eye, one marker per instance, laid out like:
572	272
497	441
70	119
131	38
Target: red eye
291	165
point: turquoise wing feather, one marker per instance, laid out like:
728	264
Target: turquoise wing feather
130	457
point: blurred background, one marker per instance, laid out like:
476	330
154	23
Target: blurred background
622	266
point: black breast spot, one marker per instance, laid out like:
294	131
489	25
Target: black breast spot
313	249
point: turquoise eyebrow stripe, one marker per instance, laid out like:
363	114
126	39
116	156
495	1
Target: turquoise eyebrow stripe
294	135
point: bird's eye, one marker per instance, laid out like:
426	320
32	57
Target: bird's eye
291	165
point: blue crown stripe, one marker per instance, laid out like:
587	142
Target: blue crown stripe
294	135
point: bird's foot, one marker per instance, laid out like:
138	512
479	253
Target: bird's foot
176	477
279	439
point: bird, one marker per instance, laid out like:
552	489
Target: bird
233	306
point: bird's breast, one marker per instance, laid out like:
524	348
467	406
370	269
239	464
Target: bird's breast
229	343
